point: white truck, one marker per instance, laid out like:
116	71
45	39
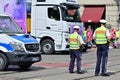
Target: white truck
16	48
51	21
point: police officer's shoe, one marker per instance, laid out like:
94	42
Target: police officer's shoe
105	74
71	72
80	72
96	74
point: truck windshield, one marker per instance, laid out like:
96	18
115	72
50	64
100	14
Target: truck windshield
7	25
71	15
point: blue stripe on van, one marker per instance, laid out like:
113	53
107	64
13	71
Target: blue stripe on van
7	46
25	39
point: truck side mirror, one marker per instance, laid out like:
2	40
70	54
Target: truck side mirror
64	7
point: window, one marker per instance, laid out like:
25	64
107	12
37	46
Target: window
41	0
8	26
71	14
54	13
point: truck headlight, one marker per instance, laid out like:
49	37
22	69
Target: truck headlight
17	46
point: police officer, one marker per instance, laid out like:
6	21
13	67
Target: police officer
101	36
75	42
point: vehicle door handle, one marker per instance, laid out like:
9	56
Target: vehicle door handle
48	28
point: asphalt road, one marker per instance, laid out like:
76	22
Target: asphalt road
55	67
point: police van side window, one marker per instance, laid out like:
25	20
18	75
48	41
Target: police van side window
53	14
41	0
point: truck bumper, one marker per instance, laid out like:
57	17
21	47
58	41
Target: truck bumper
16	58
64	47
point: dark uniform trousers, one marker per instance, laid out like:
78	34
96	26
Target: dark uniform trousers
102	55
75	54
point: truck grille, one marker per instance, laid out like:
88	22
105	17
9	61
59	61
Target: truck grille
32	47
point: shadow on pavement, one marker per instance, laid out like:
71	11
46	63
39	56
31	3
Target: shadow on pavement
16	69
110	73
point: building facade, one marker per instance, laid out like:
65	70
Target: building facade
105	9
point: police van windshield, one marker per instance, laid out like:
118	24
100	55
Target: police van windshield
7	25
71	15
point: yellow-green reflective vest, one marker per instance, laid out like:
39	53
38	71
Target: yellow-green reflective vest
84	33
74	41
117	34
101	35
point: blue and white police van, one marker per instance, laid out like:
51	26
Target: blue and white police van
16	48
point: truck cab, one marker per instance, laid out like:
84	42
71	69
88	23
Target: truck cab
16	48
51	22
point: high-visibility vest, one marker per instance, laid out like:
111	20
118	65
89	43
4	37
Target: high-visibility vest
74	41
117	34
100	35
84	33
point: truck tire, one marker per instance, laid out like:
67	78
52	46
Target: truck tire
3	62
25	66
47	46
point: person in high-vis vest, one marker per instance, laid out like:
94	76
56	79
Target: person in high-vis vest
116	44
75	42
84	36
101	36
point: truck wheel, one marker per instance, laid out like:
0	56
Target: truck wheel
25	66
3	62
47	46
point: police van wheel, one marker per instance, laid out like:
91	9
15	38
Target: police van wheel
3	62
25	66
47	46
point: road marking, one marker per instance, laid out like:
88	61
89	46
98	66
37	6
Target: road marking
34	79
52	65
60	64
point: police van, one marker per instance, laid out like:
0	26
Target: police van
16	48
